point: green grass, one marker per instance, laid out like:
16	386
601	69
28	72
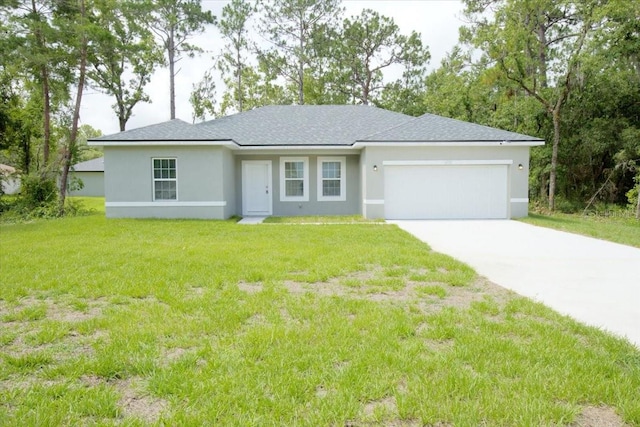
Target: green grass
624	230
91	204
140	322
343	219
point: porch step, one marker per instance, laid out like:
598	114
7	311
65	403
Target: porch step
252	220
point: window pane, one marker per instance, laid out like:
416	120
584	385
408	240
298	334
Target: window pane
165	190
331	170
172	163
294	169
165	163
156	163
294	188
156	174
331	187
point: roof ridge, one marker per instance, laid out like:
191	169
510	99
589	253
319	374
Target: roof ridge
411	119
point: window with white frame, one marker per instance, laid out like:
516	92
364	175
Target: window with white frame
294	179
331	179
165	179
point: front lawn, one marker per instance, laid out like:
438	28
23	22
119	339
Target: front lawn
625	230
331	219
139	322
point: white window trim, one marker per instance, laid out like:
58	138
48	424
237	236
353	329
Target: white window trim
305	180
154	179
343	179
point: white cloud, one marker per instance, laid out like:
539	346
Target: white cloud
436	20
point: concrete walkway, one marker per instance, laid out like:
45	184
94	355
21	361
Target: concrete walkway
252	220
594	281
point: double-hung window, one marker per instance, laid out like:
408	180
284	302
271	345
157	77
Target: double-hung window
294	179
331	179
165	179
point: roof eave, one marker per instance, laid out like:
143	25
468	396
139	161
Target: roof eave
162	142
296	147
470	143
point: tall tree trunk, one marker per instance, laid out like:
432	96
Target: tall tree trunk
542	55
122	112
366	88
46	116
171	52
239	88
73	135
301	67
554	158
46	110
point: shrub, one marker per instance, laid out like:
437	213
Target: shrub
38	192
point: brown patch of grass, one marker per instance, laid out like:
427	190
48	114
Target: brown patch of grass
598	416
354	285
251	288
133	401
137	405
382	412
386	405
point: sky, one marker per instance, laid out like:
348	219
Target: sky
437	21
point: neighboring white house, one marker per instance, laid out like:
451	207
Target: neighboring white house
91	173
317	160
10	179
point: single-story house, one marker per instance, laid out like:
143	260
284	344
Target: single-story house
9	179
91	173
317	160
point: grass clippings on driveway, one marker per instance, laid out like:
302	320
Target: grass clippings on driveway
139	322
624	230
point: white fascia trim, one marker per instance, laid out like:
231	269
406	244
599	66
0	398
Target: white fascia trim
166	204
373	201
445	162
292	147
450	144
520	200
229	144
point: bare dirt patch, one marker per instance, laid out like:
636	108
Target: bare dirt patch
133	401
354	285
251	288
137	405
172	354
61	311
386	409
598	416
386	406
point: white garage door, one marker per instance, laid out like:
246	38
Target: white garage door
448	191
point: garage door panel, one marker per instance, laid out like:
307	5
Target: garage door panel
447	191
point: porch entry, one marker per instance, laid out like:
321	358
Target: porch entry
257	199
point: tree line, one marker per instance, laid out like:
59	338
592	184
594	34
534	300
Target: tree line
567	71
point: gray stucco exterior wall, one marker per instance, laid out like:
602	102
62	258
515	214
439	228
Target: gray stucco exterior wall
373	181
350	206
92	184
201	191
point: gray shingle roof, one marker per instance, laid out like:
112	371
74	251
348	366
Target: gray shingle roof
95	165
432	128
173	130
307	125
303	124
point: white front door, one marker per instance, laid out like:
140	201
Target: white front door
256	188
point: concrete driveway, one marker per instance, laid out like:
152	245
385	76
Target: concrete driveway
591	280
